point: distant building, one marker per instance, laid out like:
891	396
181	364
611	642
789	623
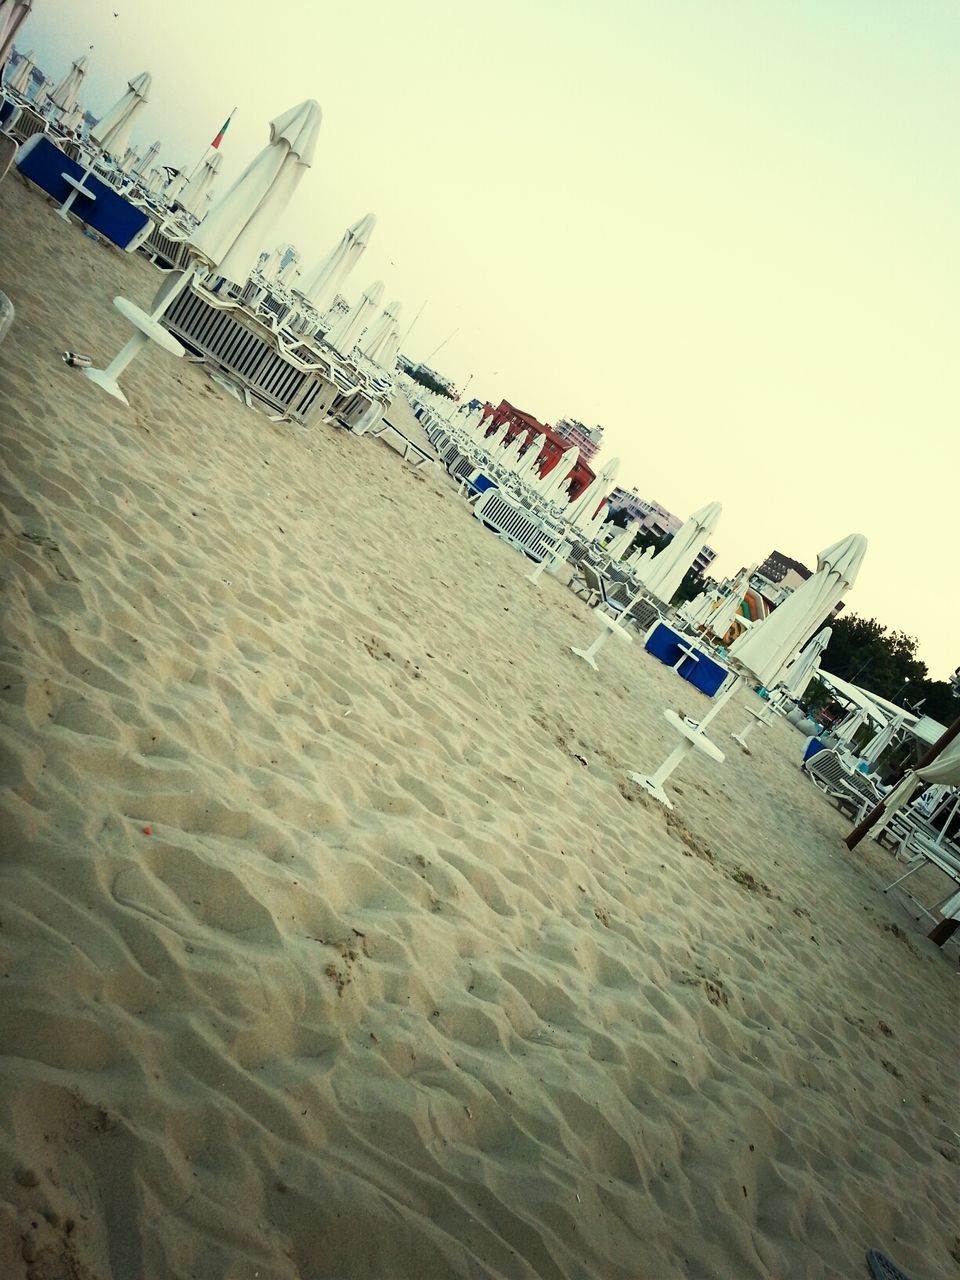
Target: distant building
540	436
586	439
778	577
658	521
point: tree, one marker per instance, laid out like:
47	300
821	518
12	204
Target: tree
426	379
864	652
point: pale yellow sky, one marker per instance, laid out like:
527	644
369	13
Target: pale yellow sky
726	231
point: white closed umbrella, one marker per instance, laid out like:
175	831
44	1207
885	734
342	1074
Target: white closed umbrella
879	743
387	353
22	78
767	647
671	565
619	544
152	152
111	133
344	335
320	286
722	619
13	14
153	181
798	673
269	268
510	455
553	486
639	560
232	234
494	442
288	273
194	195
65	94
527	468
378	331
583	507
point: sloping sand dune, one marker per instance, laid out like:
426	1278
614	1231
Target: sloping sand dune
398	985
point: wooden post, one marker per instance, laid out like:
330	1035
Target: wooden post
862	827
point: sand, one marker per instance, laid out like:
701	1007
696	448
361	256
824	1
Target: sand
335	943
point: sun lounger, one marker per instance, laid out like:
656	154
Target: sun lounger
515	526
167	247
923	852
851	793
233	340
27	123
10	113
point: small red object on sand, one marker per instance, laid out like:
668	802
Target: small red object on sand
148	831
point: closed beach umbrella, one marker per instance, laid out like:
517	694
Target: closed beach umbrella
320	286
344	335
269	268
232	234
619	544
177	181
13	14
510	454
66	92
798	674
494	442
528	463
878	744
21	79
287	274
153	181
722	619
112	132
766	648
583	507
671	565
375	335
194	197
554	484
386	355
149	158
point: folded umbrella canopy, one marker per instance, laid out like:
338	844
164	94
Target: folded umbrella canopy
670	566
152	152
721	620
321	285
798	674
767	648
379	329
232	234
111	133
13	14
22	78
581	510
553	486
194	195
346	333
620	543
66	92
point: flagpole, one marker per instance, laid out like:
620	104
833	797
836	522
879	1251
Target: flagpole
222	130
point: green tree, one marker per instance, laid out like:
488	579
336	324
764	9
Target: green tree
865	652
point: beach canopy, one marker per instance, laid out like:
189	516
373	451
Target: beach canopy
798	674
379	330
721	620
346	333
879	743
582	508
620	543
112	132
553	486
767	648
66	92
944	769
13	14
147	162
670	565
22	78
321	285
193	198
232	234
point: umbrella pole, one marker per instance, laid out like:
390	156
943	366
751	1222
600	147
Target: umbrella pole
876	813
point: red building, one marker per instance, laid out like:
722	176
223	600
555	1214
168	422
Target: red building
539	436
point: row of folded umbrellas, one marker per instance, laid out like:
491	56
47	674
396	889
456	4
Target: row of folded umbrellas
777	650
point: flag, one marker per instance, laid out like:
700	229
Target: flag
223	129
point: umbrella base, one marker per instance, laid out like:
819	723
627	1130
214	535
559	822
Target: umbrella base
652	787
106	383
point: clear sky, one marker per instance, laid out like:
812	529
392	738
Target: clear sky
724	229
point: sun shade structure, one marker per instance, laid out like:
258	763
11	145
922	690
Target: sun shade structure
721	620
13	14
232	234
345	335
22	78
112	132
193	198
65	94
321	285
767	648
380	328
148	160
671	565
798	674
582	509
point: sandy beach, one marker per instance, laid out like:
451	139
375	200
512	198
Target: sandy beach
336	944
